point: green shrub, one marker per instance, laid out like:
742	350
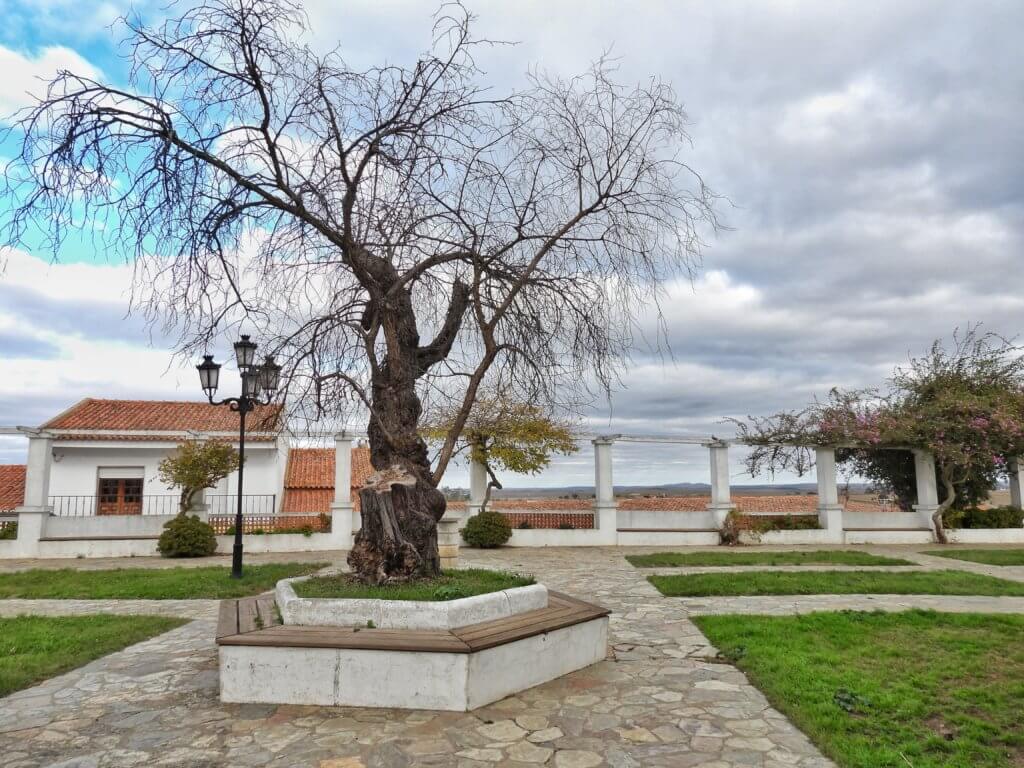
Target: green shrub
973	517
9	532
187	536
487	530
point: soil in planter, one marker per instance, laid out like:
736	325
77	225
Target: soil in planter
450	585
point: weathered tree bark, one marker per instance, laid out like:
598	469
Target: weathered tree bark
399	506
398	538
937	523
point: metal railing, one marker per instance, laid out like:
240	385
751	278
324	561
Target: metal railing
87	505
83	505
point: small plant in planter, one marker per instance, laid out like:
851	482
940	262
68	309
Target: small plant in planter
487	530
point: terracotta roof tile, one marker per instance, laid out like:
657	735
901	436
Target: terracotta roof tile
12	486
309	478
158	416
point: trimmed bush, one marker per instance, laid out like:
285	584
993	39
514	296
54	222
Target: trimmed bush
187	536
487	530
972	517
9	532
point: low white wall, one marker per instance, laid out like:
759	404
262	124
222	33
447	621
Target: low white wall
882	520
105	525
283	542
809	536
888	537
668	538
646	518
556	537
986	535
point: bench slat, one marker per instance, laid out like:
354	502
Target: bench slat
367	639
247	616
266	607
227	618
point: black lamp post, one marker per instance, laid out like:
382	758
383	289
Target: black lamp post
259	383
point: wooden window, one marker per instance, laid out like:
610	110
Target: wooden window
119	496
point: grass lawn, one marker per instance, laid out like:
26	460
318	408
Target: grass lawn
819	557
33	648
878	690
987	556
453	584
148	583
834	583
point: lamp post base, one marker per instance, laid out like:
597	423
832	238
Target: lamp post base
236	561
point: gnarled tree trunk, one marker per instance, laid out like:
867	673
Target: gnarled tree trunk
398	538
400	506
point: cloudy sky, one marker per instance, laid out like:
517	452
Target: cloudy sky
872	152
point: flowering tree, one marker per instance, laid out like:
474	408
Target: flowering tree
964	405
197	464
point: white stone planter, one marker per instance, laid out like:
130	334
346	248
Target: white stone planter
406	614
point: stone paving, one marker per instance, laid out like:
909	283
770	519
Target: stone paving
657	701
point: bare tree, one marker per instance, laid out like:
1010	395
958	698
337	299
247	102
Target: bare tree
396	233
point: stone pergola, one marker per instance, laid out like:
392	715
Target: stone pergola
32	514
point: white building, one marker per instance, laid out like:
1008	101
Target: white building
93	471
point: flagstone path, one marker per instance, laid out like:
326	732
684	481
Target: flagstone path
659	700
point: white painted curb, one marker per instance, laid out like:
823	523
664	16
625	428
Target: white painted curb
405	614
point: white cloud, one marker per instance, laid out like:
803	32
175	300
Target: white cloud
25	76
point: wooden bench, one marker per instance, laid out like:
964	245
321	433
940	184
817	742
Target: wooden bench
265	661
255	621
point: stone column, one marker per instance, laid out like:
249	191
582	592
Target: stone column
1015	470
36	507
927	488
342	507
830	511
721	499
477	488
605	508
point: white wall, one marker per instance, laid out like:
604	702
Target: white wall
75	467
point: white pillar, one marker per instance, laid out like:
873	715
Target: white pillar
35	508
927	489
477	487
721	500
1016	476
830	511
342	507
605	508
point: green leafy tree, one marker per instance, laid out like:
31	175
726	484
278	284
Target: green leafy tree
964	405
195	465
508	436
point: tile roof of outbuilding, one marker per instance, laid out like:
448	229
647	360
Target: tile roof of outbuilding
157	416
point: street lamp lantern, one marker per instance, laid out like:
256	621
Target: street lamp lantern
245	353
209	375
270	375
259	383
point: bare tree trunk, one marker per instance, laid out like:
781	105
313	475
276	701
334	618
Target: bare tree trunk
398	538
399	506
937	524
